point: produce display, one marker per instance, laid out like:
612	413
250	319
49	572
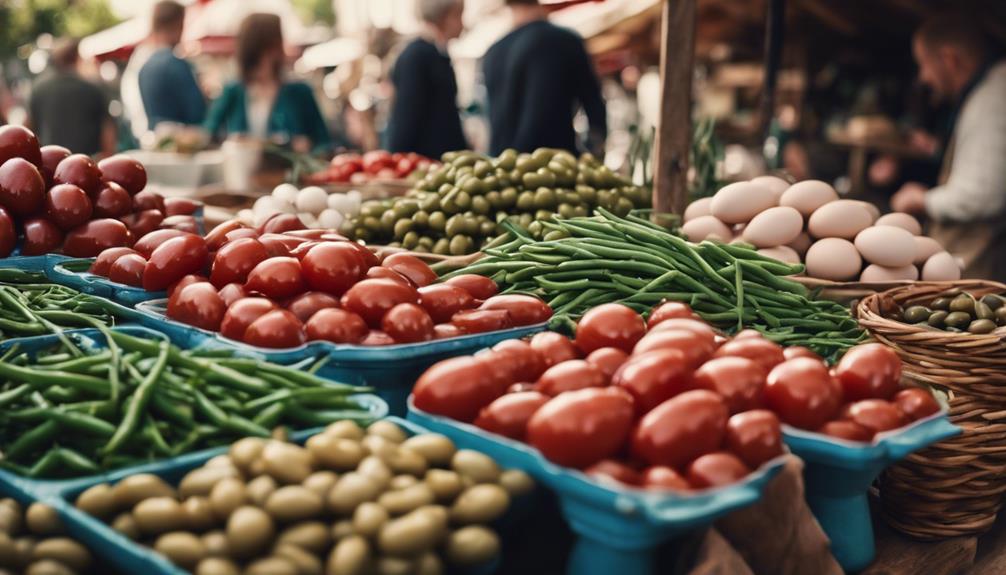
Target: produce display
607	258
354	168
79	408
315	207
808	222
30	305
955	310
34	541
456	208
55	200
349	501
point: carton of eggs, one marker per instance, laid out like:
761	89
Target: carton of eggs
313	205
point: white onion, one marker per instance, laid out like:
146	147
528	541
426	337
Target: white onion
312	200
265	205
308	219
355	199
285	193
330	219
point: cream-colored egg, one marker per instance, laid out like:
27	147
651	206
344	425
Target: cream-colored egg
286	193
808	195
900	220
801	243
737	203
698	208
941	267
839	219
875	273
833	259
774	183
706	228
873	210
925	247
774	227
886	246
781	253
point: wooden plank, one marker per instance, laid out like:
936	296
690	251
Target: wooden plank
901	555
674	134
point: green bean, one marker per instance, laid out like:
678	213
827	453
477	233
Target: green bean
270	416
46	464
138	401
77	462
32	440
14	394
43	379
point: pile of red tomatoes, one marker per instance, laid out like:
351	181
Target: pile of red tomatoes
61	201
374	165
668	404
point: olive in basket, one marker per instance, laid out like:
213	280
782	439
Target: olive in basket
958	311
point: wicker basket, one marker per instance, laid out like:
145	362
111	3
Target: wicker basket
955	487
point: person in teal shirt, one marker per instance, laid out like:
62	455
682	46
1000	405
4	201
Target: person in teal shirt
262	104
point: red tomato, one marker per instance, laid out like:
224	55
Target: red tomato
847	430
187	281
368	257
519	387
146	245
275	329
147	200
446	331
301	250
371	299
307	304
800	351
526	364
22	187
759	350
608	360
411	267
739	380
106	258
218	235
482	320
580	428
869	370
669	310
503	372
248	233
7	234
554	347
680	429
609	325
125	171
746	333
610	469
716	470
276	278
570	375
442	301
336	325
178	206
508	414
523	309
231	293
279	223
916	403
377	272
235	260
457	388
663	477
332	267
696	326
52	155
877	415
278	244
408	323
79	170
40	237
198	305
183	223
696	348
92	238
480	287
314	234
653	377
112	201
377	338
128	270
755	436
67	206
143	222
801	393
19	142
173	259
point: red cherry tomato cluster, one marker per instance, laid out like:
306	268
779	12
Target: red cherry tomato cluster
58	200
669	403
374	165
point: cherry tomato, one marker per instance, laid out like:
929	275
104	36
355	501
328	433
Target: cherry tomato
457	388
570	375
78	170
301	250
653	377
173	259
92	238
411	267
235	260
332	267
482	320
178	206
19	142
696	348
608	360
368	257
217	237
247	233
377	338
278	244
183	223
739	380
142	223
148	200
755	436
799	351
680	429
442	301
187	281
847	430
276	278
580	428
408	323
916	403
336	325
377	272
669	310
554	347
275	329
525	363
480	287
307	304
231	293
198	305
609	325
52	155
716	470
695	326
128	270
765	353
125	171
22	188
279	223
146	245
67	206
523	309
663	477
106	258
40	237
612	470
371	299
869	370
446	331
877	415
509	414
801	393
112	201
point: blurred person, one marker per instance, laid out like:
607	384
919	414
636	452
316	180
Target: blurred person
536	77
67	110
966	210
262	104
424	115
168	88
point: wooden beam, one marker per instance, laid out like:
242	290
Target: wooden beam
774	34
674	133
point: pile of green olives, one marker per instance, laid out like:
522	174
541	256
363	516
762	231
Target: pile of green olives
956	310
458	207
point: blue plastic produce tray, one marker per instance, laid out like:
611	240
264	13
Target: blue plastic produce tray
59	271
618	529
31	263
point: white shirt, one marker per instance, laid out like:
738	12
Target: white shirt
129	88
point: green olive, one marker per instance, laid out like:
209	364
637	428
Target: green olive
442	247
532	180
993	301
455	225
982	326
495	199
1000	316
420	219
426	242
525	164
542	155
402	227
508	197
463	200
567	211
507	159
481	205
622	207
481	168
525	201
535	228
957	319
937	318
471	224
543	215
431	203
524	220
555	235
916	313
460	245
547	178
964	303
983	311
952	292
490	182
487	229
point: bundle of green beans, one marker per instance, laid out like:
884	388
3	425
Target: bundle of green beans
30	305
584	262
83	406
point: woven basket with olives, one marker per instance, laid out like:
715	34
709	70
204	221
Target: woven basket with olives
956	310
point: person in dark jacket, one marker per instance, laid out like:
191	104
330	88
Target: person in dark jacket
167	84
536	77
424	115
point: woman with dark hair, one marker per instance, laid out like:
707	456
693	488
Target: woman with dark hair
262	104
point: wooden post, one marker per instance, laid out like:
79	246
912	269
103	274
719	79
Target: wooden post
774	32
674	134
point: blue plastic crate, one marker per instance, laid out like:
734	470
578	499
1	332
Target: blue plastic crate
58	272
31	263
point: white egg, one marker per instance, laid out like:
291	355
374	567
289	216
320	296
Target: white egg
356	198
265	205
774	183
781	253
925	247
801	243
900	220
285	193
311	200
873	210
808	195
839	219
340	203
246	217
875	273
886	246
706	228
774	227
309	220
737	203
941	267
330	219
833	259
699	207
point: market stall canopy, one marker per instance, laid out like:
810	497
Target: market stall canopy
331	54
